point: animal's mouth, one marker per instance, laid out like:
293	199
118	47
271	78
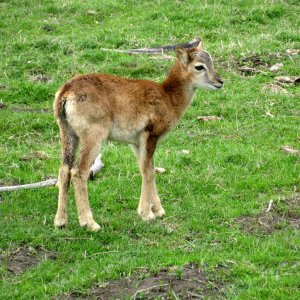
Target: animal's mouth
217	87
219	83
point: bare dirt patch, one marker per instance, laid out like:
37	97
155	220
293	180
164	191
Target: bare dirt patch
252	64
24	258
188	282
258	63
275	217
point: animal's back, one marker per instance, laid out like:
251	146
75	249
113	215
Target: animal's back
128	104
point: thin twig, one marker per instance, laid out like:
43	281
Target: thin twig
147	290
195	295
74	239
269	206
101	253
175	296
214	285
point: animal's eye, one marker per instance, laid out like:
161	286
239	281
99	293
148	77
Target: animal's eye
200	68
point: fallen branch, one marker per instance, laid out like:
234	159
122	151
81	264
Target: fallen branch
97	166
35	185
156	50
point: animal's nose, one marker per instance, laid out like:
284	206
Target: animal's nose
220	81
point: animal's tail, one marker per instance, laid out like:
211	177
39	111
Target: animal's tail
59	109
69	139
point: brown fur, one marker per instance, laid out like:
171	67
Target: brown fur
92	108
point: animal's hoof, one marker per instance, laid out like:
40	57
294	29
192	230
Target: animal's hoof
147	216
159	213
94	227
60	222
90	225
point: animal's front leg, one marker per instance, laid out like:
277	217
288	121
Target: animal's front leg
146	204
149	206
144	209
157	208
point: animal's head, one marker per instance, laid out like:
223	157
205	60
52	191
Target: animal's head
199	67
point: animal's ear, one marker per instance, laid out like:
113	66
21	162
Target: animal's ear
194	51
182	55
200	46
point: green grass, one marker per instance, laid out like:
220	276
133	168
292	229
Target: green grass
234	168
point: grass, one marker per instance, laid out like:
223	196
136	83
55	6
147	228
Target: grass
234	168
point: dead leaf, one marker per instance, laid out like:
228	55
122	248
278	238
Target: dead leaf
275	89
91	12
287	79
185	151
268	114
160	170
248	70
276	67
292	52
290	150
35	155
209	118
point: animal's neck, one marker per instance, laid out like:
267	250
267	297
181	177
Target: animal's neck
179	88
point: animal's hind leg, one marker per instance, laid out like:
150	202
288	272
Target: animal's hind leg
69	142
89	149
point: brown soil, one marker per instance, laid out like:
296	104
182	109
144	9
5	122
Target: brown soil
256	63
24	258
251	65
286	213
188	282
255	60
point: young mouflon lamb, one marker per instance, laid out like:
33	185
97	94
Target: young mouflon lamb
92	108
